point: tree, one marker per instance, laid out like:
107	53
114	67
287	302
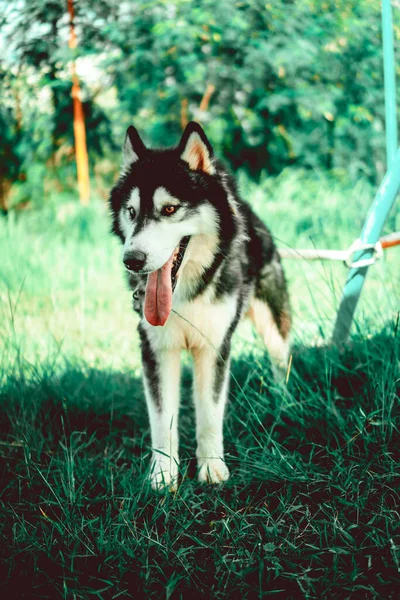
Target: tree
277	84
82	161
38	58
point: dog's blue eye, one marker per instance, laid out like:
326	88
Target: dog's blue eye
132	212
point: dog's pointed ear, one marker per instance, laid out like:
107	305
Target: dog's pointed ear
195	149
134	149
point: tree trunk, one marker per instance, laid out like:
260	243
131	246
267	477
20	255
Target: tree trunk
205	101
330	123
18	110
81	155
5	188
184	113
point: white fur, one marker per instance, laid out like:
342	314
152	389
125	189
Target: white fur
164	422
200	326
198	256
194	324
163	198
278	347
125	221
229	194
134	200
209	417
129	156
158	239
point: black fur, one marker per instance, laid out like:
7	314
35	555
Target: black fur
246	258
150	367
222	361
232	269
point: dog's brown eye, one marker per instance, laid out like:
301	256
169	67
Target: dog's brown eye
132	212
169	210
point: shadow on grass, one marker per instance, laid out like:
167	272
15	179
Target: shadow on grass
309	509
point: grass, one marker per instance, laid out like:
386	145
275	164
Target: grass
311	510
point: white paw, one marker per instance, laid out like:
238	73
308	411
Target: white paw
164	474
279	373
213	470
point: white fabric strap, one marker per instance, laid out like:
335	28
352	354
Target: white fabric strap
345	256
357	246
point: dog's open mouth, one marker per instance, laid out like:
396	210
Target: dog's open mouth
177	260
160	286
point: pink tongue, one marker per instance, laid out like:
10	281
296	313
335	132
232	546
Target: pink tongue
158	298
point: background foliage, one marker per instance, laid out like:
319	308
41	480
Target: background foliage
276	84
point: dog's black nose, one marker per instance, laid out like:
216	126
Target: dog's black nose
134	261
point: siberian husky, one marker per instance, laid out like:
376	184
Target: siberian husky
198	260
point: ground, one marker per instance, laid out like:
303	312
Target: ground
311	509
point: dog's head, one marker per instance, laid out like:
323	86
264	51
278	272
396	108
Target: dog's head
162	198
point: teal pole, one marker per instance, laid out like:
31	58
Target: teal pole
370	234
386	195
390	81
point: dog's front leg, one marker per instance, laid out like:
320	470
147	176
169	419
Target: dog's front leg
161	377
211	379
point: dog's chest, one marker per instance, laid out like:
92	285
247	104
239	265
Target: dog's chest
194	325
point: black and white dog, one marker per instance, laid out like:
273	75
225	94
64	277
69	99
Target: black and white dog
198	260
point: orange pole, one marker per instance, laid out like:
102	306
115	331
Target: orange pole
184	113
390	240
205	101
81	154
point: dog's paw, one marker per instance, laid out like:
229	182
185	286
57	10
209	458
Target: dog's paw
279	374
213	470
164	475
